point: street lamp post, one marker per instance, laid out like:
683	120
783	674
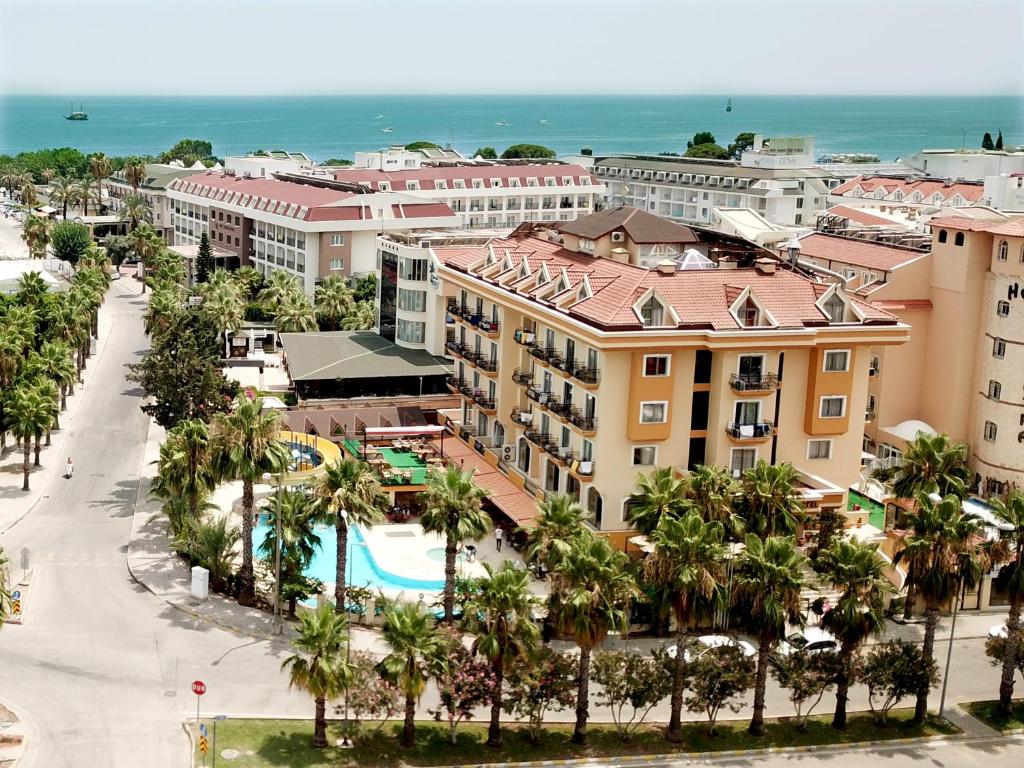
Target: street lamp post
346	742
957	599
278	626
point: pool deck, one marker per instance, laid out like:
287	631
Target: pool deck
402	549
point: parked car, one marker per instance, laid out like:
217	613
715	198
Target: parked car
811	640
705	643
999	630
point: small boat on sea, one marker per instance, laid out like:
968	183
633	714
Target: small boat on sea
542	122
379	117
728	105
389	129
80	114
502	123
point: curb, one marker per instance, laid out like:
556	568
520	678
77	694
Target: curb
191	743
27	582
22	746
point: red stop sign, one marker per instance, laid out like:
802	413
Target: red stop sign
198	687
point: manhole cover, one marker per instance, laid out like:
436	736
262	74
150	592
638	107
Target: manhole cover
230	754
170	694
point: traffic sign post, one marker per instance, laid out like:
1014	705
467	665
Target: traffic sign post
216	720
199	688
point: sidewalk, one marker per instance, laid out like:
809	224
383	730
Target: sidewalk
12	737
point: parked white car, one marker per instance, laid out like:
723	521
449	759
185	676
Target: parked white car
811	640
704	643
999	630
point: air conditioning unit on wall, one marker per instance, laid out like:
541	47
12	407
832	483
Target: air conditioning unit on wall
506	453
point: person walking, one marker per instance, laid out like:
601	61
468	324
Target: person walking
499	534
69	469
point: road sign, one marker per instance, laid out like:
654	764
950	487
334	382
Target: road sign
202	729
25	554
204	746
16	608
198	687
16	594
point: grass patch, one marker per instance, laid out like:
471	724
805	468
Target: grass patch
988	712
275	743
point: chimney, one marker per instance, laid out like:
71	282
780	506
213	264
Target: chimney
666	267
765	266
727	264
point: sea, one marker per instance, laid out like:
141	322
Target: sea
337	126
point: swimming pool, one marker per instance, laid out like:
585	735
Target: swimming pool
363	570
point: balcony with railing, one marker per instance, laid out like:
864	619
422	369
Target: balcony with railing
541	439
457	348
757	432
542	353
588	377
741	382
484	401
583	470
455	384
585	424
524	337
490	326
521	418
566	365
487	365
476	207
560	409
522	378
538	396
472	356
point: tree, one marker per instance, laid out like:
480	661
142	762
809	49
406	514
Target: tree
658	495
337	161
349	491
743	142
280	286
687	563
99	168
713	493
997	648
555	530
498	615
213	547
999	142
410	633
771	502
545	681
184	467
598	592
932	464
807	676
371	696
86	195
36	234
27	415
295	315
855	569
945	546
246	444
767	590
366	288
134	172
299	542
362	318
453	509
318	666
894	670
64	192
717	678
1010	511
70	240
333	300
629	678
463	683
118	248
188	151
135	210
56	364
248	281
222	306
831	524
709	151
701	137
486	153
415	146
529	151
986	141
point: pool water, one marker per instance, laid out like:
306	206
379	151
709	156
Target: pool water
437	555
363	570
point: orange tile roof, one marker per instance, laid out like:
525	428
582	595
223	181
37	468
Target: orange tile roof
903	304
859	253
515	502
927	187
1011	227
860	216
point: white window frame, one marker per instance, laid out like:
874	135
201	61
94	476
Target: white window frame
1002	309
821	406
337	240
668	367
827	442
732	455
999	348
336	265
635	448
990	431
662	403
825	358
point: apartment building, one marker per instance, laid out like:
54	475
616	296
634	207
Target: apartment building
966	164
907	191
962	372
153	190
309	230
578	372
487	194
265	164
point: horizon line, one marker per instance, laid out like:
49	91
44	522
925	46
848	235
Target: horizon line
517	94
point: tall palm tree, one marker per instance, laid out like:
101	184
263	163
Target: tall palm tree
32	289
64	192
50	395
771	503
555	530
36	234
295	314
767	587
454	509
135	210
279	286
362	317
56	363
211	544
713	491
245	445
86	194
658	495
351	494
224	308
688	564
100	168
498	614
299	541
414	641
946	545
318	665
29	196
334	300
1011	511
134	172
185	463
27	415
48	174
932	464
856	570
164	305
598	589
249	282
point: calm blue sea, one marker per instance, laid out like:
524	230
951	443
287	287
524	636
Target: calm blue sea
337	126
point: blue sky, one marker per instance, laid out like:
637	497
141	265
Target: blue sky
511	46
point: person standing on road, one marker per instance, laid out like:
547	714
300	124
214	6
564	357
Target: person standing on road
498	536
69	469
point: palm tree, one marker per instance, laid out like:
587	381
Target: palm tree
658	495
134	172
99	168
453	503
771	503
350	493
27	415
48	174
414	641
361	318
498	614
185	463
932	464
319	666
50	395
32	289
86	194
713	491
767	587
56	363
295	314
1011	511
598	589
280	285
29	196
224	308
334	300
36	234
299	515
164	305
855	569
64	192
245	446
135	210
688	565
249	282
212	545
555	530
945	544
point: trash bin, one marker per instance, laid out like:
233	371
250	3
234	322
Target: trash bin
200	582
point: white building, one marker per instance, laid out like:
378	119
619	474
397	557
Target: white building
266	164
1005	192
398	158
965	165
153	190
490	194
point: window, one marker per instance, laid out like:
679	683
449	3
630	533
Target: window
587	451
819	449
1003	250
749	313
837	360
412	301
999	348
833	407
410	331
835	308
412	269
656	365
1003	308
337	239
959	239
645	455
990	431
653	412
652	312
747	412
742	460
995	389
337	265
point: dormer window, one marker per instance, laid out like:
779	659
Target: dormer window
652	312
748	313
440	184
835	308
